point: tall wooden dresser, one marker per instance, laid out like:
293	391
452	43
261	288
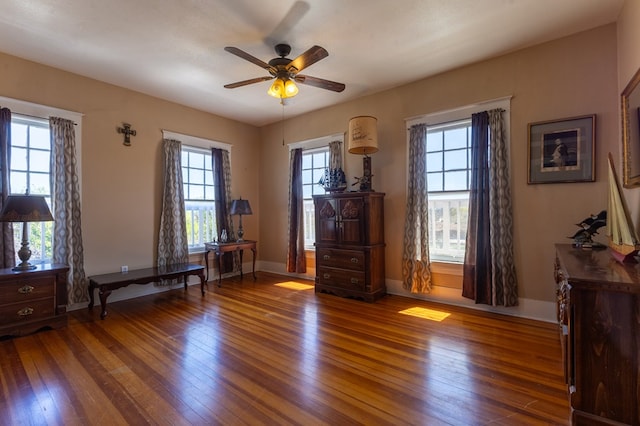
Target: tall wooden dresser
350	244
599	317
31	300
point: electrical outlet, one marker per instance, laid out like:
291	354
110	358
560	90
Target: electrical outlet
124	268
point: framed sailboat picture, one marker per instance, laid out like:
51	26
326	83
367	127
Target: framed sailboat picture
562	151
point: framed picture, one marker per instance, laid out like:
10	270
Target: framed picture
562	150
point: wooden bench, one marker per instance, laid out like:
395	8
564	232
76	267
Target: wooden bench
109	282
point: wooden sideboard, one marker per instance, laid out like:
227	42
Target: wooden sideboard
350	244
31	300
599	318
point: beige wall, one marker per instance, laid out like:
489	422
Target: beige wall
565	78
121	186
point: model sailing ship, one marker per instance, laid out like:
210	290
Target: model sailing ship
623	240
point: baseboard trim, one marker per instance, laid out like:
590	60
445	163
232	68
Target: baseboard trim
527	308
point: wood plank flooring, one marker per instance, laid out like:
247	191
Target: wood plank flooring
274	352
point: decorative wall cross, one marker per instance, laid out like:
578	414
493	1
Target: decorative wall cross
128	132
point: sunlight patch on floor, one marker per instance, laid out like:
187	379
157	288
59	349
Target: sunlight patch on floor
430	314
292	285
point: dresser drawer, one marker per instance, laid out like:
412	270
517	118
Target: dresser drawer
345	259
22	290
342	278
27	311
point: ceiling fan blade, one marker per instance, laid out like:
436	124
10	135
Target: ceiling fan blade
244	55
308	58
320	82
246	82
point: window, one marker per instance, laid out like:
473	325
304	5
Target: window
314	163
448	147
30	174
448	177
199	197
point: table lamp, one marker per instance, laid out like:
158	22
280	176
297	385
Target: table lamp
363	139
25	208
240	207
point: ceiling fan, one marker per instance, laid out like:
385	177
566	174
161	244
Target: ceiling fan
285	71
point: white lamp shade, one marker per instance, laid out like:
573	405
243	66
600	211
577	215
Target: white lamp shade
363	135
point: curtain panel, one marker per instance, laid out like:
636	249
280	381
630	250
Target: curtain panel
65	199
416	272
173	246
222	183
296	261
335	155
8	259
489	275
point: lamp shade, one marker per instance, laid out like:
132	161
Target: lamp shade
363	135
25	208
240	207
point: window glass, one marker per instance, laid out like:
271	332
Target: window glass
314	163
29	173
199	197
448	162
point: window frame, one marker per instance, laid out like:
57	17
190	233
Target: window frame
28	111
310	145
196	144
448	116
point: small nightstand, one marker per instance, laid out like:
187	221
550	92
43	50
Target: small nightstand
31	300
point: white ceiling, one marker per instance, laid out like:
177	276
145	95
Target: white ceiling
173	49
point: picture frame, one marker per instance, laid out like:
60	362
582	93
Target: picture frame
562	151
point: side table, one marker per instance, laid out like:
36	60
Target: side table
33	299
220	248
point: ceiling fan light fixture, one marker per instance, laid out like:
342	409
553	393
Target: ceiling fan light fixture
277	89
290	88
283	88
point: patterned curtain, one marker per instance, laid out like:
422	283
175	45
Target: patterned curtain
8	259
335	155
296	261
489	269
222	184
173	246
65	200
416	273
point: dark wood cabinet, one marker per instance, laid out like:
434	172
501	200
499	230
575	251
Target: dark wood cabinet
599	318
350	244
31	300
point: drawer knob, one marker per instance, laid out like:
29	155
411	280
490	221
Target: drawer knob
354	281
26	289
354	260
25	312
326	257
326	276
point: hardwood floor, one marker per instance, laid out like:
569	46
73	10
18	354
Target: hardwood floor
274	352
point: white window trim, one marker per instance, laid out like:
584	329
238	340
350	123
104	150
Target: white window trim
37	111
321	142
195	141
460	113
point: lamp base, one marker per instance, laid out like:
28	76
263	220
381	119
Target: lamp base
365	181
240	231
25	252
24	266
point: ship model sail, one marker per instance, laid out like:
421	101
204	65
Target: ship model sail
623	240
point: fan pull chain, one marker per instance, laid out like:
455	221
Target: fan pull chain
282	103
